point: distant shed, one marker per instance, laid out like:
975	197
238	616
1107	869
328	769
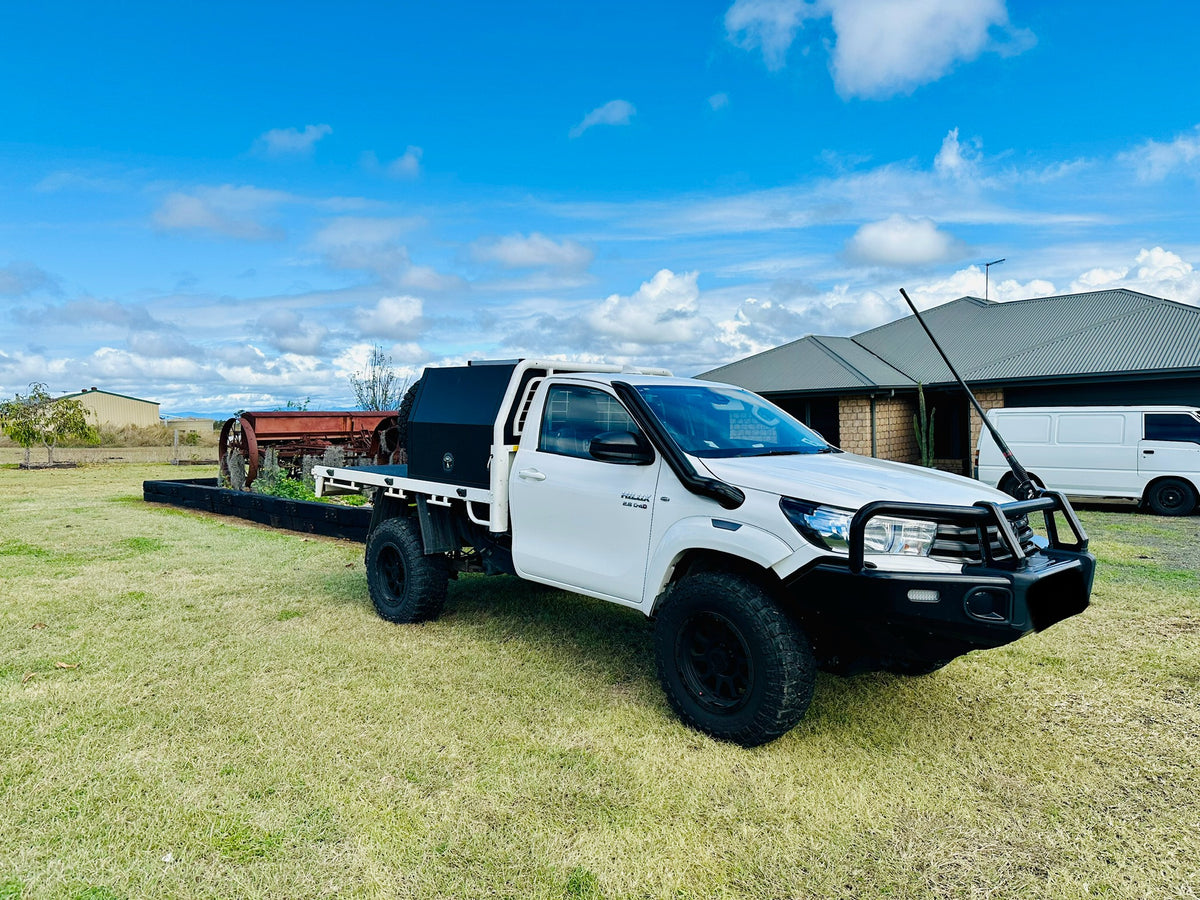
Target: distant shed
117	410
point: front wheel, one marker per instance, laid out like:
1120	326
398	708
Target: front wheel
1171	497
405	584
732	664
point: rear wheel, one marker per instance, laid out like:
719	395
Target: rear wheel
405	584
1171	497
732	664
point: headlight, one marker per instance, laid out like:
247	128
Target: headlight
823	526
829	528
907	537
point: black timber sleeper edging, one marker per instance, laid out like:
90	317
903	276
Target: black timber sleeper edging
307	516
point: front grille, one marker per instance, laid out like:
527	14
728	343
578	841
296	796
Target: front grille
960	543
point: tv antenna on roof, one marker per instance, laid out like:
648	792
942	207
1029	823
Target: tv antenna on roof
986	267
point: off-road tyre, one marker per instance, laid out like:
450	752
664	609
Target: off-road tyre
405	584
732	663
402	414
1171	497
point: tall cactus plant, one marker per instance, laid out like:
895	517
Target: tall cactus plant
923	426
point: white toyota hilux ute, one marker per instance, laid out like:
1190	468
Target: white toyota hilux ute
761	552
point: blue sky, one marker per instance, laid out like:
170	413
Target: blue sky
224	206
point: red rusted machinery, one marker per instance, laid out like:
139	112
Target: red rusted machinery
364	437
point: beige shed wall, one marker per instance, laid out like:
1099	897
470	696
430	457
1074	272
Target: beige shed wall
110	409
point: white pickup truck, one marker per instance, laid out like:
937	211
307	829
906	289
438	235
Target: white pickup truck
761	552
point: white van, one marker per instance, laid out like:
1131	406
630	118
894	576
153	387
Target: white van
1146	453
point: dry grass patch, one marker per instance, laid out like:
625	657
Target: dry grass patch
196	707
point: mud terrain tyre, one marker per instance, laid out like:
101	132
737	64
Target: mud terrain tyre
732	664
405	584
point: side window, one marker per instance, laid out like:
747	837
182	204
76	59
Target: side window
574	415
1172	427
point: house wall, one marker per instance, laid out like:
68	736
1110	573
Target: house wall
895	438
989	400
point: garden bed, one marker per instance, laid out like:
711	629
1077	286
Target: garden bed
310	517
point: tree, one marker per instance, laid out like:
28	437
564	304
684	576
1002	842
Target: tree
378	386
37	418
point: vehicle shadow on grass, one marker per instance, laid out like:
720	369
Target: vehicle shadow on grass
614	646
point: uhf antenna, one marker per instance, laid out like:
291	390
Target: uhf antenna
1025	489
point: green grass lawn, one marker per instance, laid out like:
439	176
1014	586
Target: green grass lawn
198	707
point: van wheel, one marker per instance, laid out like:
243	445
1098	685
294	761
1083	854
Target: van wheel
1171	497
732	664
405	584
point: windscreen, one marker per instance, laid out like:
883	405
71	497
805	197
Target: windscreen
712	422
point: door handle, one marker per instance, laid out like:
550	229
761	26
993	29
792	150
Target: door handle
531	475
1147	453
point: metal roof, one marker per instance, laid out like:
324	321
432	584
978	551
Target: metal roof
106	393
811	364
1094	334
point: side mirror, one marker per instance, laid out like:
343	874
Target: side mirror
622	447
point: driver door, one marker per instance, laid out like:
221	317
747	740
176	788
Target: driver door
578	522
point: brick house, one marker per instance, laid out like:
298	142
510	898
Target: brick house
1099	348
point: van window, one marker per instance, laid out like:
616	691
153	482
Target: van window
1025	429
1091	429
1172	427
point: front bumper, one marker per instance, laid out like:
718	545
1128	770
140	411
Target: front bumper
861	617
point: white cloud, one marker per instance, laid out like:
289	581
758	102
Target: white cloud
290	141
902	241
614	112
953	160
881	47
885	48
427	278
405	166
408	165
518	251
396	318
718	101
1153	161
361	231
664	310
68	181
19	279
289	332
366	244
768	25
970	282
1156	271
227	210
371	245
